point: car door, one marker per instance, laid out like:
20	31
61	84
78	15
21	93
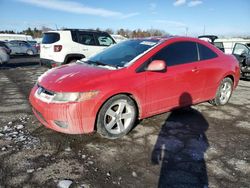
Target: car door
49	40
87	43
242	53
14	47
181	84
22	48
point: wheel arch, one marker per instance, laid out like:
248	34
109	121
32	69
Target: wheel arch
232	77
70	57
130	95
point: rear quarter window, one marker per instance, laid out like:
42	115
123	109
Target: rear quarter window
206	53
49	38
104	40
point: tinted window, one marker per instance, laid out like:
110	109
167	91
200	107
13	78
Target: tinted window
206	53
104	40
74	36
178	53
12	44
87	39
49	38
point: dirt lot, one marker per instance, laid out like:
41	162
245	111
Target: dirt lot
203	147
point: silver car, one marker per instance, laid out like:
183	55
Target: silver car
21	47
4	56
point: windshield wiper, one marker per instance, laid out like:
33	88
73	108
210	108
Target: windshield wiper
102	64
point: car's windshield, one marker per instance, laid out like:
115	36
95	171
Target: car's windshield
120	54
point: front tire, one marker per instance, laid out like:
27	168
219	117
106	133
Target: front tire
223	93
116	117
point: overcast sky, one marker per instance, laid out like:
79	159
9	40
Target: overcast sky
220	17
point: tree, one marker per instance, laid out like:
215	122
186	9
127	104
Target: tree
109	31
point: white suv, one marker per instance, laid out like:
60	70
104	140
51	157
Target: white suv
66	46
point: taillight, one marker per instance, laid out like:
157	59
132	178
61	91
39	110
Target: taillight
57	48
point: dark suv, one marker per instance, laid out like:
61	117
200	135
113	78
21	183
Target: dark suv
242	53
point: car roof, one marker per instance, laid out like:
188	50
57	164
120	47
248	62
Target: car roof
172	37
84	30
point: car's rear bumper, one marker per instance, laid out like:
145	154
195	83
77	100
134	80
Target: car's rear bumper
70	118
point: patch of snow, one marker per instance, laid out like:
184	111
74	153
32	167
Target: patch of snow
19	127
64	183
134	174
68	149
30	171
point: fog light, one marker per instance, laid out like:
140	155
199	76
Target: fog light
61	124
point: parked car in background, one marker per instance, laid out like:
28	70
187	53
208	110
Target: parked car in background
21	47
242	53
35	44
133	80
213	40
4	45
4	56
67	46
119	38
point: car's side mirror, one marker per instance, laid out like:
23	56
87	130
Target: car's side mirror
157	66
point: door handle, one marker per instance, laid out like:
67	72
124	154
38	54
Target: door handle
195	69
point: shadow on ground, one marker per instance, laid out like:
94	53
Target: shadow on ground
21	61
180	149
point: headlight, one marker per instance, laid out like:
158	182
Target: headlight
73	97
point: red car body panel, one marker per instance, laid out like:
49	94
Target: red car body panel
153	92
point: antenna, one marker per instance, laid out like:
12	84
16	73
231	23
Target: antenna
186	30
204	30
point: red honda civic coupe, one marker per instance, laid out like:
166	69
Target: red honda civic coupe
133	80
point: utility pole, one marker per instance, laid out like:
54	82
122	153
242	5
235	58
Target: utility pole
186	28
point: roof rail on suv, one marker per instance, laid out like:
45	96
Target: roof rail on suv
87	30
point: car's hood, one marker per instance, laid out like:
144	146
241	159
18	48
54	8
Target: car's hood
72	77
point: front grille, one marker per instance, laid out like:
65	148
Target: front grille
43	90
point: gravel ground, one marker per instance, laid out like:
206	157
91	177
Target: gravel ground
203	146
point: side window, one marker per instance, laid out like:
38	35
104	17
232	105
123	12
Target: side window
11	44
206	53
87	39
178	53
23	44
219	45
104	40
74	35
240	49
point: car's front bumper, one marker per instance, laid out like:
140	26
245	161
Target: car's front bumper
245	71
70	118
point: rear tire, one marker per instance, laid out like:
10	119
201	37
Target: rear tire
223	93
116	117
